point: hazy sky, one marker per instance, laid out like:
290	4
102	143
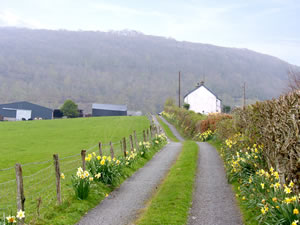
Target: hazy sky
267	26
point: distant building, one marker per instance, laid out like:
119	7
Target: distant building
24	111
202	100
109	110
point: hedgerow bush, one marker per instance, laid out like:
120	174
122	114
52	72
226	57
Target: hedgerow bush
211	121
275	124
187	121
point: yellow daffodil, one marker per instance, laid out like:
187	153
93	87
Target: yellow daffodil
295	222
274	199
98	175
106	195
102	162
262	185
287	190
91	178
99	157
94	154
291	184
296	211
62	176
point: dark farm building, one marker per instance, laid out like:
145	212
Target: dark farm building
24	111
109	110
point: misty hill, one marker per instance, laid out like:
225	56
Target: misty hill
126	67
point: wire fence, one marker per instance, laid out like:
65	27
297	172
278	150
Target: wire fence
39	188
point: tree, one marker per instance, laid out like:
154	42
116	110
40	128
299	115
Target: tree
70	109
186	106
226	109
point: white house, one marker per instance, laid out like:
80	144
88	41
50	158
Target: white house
202	100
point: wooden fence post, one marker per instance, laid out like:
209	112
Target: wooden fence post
131	142
121	146
100	149
124	147
57	173
148	134
83	153
144	135
112	154
151	132
20	190
136	141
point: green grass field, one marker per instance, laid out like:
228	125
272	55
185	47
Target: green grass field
171	203
27	142
33	141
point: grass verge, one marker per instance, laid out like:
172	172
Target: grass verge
248	216
171	203
167	130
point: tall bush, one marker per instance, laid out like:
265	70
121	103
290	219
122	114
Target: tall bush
275	124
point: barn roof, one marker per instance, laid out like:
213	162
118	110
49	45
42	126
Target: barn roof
202	85
110	107
23	105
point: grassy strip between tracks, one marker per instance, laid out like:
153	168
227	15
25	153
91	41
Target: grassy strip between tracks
171	203
167	130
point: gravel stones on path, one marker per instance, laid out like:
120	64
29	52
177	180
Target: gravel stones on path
122	205
173	129
213	199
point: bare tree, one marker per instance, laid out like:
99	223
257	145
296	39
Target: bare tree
294	80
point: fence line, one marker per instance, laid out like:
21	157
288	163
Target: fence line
45	187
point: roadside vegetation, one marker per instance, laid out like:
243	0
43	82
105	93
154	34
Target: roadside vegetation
171	203
168	131
259	146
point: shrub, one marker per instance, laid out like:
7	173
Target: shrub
275	125
211	121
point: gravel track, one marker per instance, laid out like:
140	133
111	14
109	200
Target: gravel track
123	204
213	199
173	129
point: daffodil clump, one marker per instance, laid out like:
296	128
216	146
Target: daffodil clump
260	187
205	136
159	140
10	220
169	116
81	183
104	169
144	148
131	158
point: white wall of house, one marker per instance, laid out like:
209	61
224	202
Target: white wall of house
203	101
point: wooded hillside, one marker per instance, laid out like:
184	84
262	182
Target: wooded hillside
127	67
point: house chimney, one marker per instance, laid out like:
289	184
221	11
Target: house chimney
202	82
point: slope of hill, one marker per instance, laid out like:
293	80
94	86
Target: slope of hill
126	67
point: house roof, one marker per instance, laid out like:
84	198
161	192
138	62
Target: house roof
110	107
22	105
202	85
